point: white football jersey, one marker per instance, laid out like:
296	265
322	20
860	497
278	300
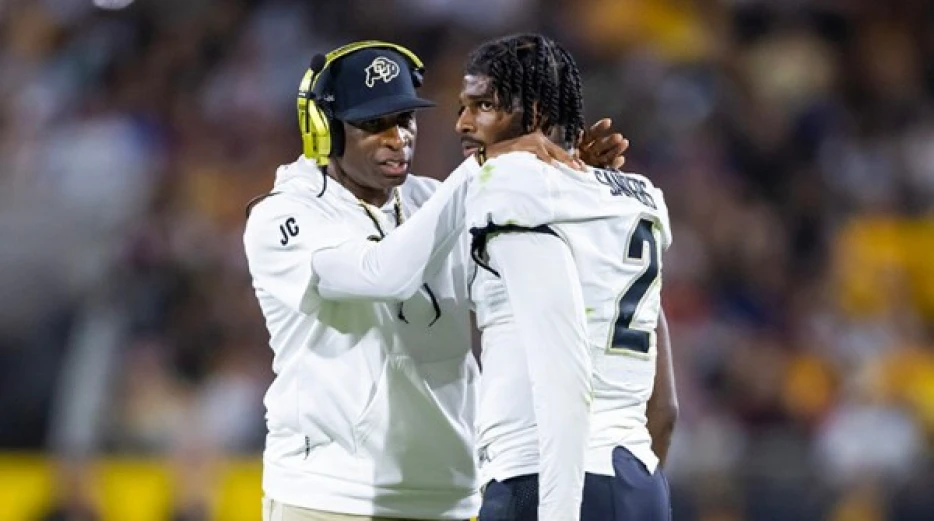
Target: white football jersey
616	226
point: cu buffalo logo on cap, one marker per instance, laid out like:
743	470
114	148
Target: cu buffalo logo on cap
383	69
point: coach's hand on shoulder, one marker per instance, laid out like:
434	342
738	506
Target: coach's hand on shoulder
602	147
535	143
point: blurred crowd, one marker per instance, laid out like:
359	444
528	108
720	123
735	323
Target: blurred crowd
794	140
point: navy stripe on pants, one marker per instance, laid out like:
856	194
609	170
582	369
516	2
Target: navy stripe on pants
632	494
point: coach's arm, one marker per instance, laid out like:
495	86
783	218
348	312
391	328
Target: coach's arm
395	267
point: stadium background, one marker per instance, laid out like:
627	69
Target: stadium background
794	140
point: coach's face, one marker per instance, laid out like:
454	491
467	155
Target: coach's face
482	120
378	152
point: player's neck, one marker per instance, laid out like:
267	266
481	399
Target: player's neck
375	196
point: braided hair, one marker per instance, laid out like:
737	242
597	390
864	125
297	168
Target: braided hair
526	69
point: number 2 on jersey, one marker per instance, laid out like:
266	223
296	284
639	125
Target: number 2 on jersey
641	243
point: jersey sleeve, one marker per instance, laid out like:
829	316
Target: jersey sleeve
664	220
552	329
511	193
280	239
510	190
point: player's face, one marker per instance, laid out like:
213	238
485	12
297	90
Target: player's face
482	120
378	152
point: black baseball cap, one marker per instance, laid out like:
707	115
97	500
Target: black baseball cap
372	83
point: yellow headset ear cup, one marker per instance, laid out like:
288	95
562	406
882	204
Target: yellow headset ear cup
316	136
312	123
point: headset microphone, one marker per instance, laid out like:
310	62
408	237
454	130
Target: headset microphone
317	63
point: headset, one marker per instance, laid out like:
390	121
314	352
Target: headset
321	137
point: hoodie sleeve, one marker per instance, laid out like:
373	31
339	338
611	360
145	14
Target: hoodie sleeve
395	267
281	237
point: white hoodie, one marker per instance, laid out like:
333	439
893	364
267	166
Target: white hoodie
373	406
